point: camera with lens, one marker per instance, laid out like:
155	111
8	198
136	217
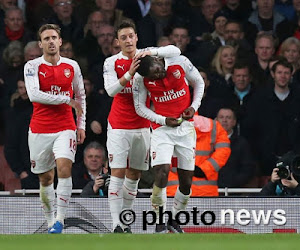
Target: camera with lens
288	164
106	178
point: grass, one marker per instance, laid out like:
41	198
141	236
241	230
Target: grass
150	241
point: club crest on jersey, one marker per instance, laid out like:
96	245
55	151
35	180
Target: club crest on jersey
110	157
153	155
177	74
67	72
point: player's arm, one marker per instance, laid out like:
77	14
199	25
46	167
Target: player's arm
166	51
196	81
139	97
112	84
33	88
79	92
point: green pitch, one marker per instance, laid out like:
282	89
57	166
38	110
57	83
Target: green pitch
153	242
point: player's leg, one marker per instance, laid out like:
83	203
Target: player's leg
43	163
185	152
162	149
47	196
115	197
64	149
138	161
118	148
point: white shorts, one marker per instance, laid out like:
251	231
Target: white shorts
46	148
128	148
179	141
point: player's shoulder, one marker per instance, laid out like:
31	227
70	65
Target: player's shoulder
34	62
113	58
69	61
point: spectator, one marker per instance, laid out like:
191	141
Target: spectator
71	28
264	50
222	67
163	41
238	10
267	19
133	9
14	29
32	51
5	5
290	49
157	23
240	167
272	123
89	43
111	14
16	146
90	170
66	49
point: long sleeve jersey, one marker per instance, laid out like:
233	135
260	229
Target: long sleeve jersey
170	95
122	114
50	89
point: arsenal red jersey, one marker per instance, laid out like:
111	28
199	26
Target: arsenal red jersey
50	88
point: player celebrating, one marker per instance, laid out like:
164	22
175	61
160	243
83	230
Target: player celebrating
173	132
128	134
51	81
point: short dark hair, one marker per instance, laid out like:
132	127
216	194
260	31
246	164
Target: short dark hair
48	26
145	64
231	108
126	23
283	63
95	145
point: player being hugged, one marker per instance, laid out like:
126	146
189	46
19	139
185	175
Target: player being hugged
51	82
128	135
167	81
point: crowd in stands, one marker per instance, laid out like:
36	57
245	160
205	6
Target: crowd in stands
235	45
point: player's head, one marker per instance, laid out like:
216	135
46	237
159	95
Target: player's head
49	38
126	36
151	68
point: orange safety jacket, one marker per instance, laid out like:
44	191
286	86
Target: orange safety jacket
212	153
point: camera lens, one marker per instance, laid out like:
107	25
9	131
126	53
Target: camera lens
283	173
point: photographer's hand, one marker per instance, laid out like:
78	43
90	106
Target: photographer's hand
290	183
99	182
274	175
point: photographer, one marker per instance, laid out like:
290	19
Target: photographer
91	175
285	177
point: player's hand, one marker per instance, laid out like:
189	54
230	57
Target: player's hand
134	66
292	183
77	106
96	127
188	113
80	136
172	122
23	175
143	54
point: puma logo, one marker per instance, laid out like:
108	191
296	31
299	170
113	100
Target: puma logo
65	200
121	67
43	74
152	83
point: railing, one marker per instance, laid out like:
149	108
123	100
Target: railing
225	191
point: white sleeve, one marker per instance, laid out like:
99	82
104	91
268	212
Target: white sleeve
196	81
79	92
112	84
33	88
166	51
139	97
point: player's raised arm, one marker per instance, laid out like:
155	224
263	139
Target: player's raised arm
166	51
33	87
